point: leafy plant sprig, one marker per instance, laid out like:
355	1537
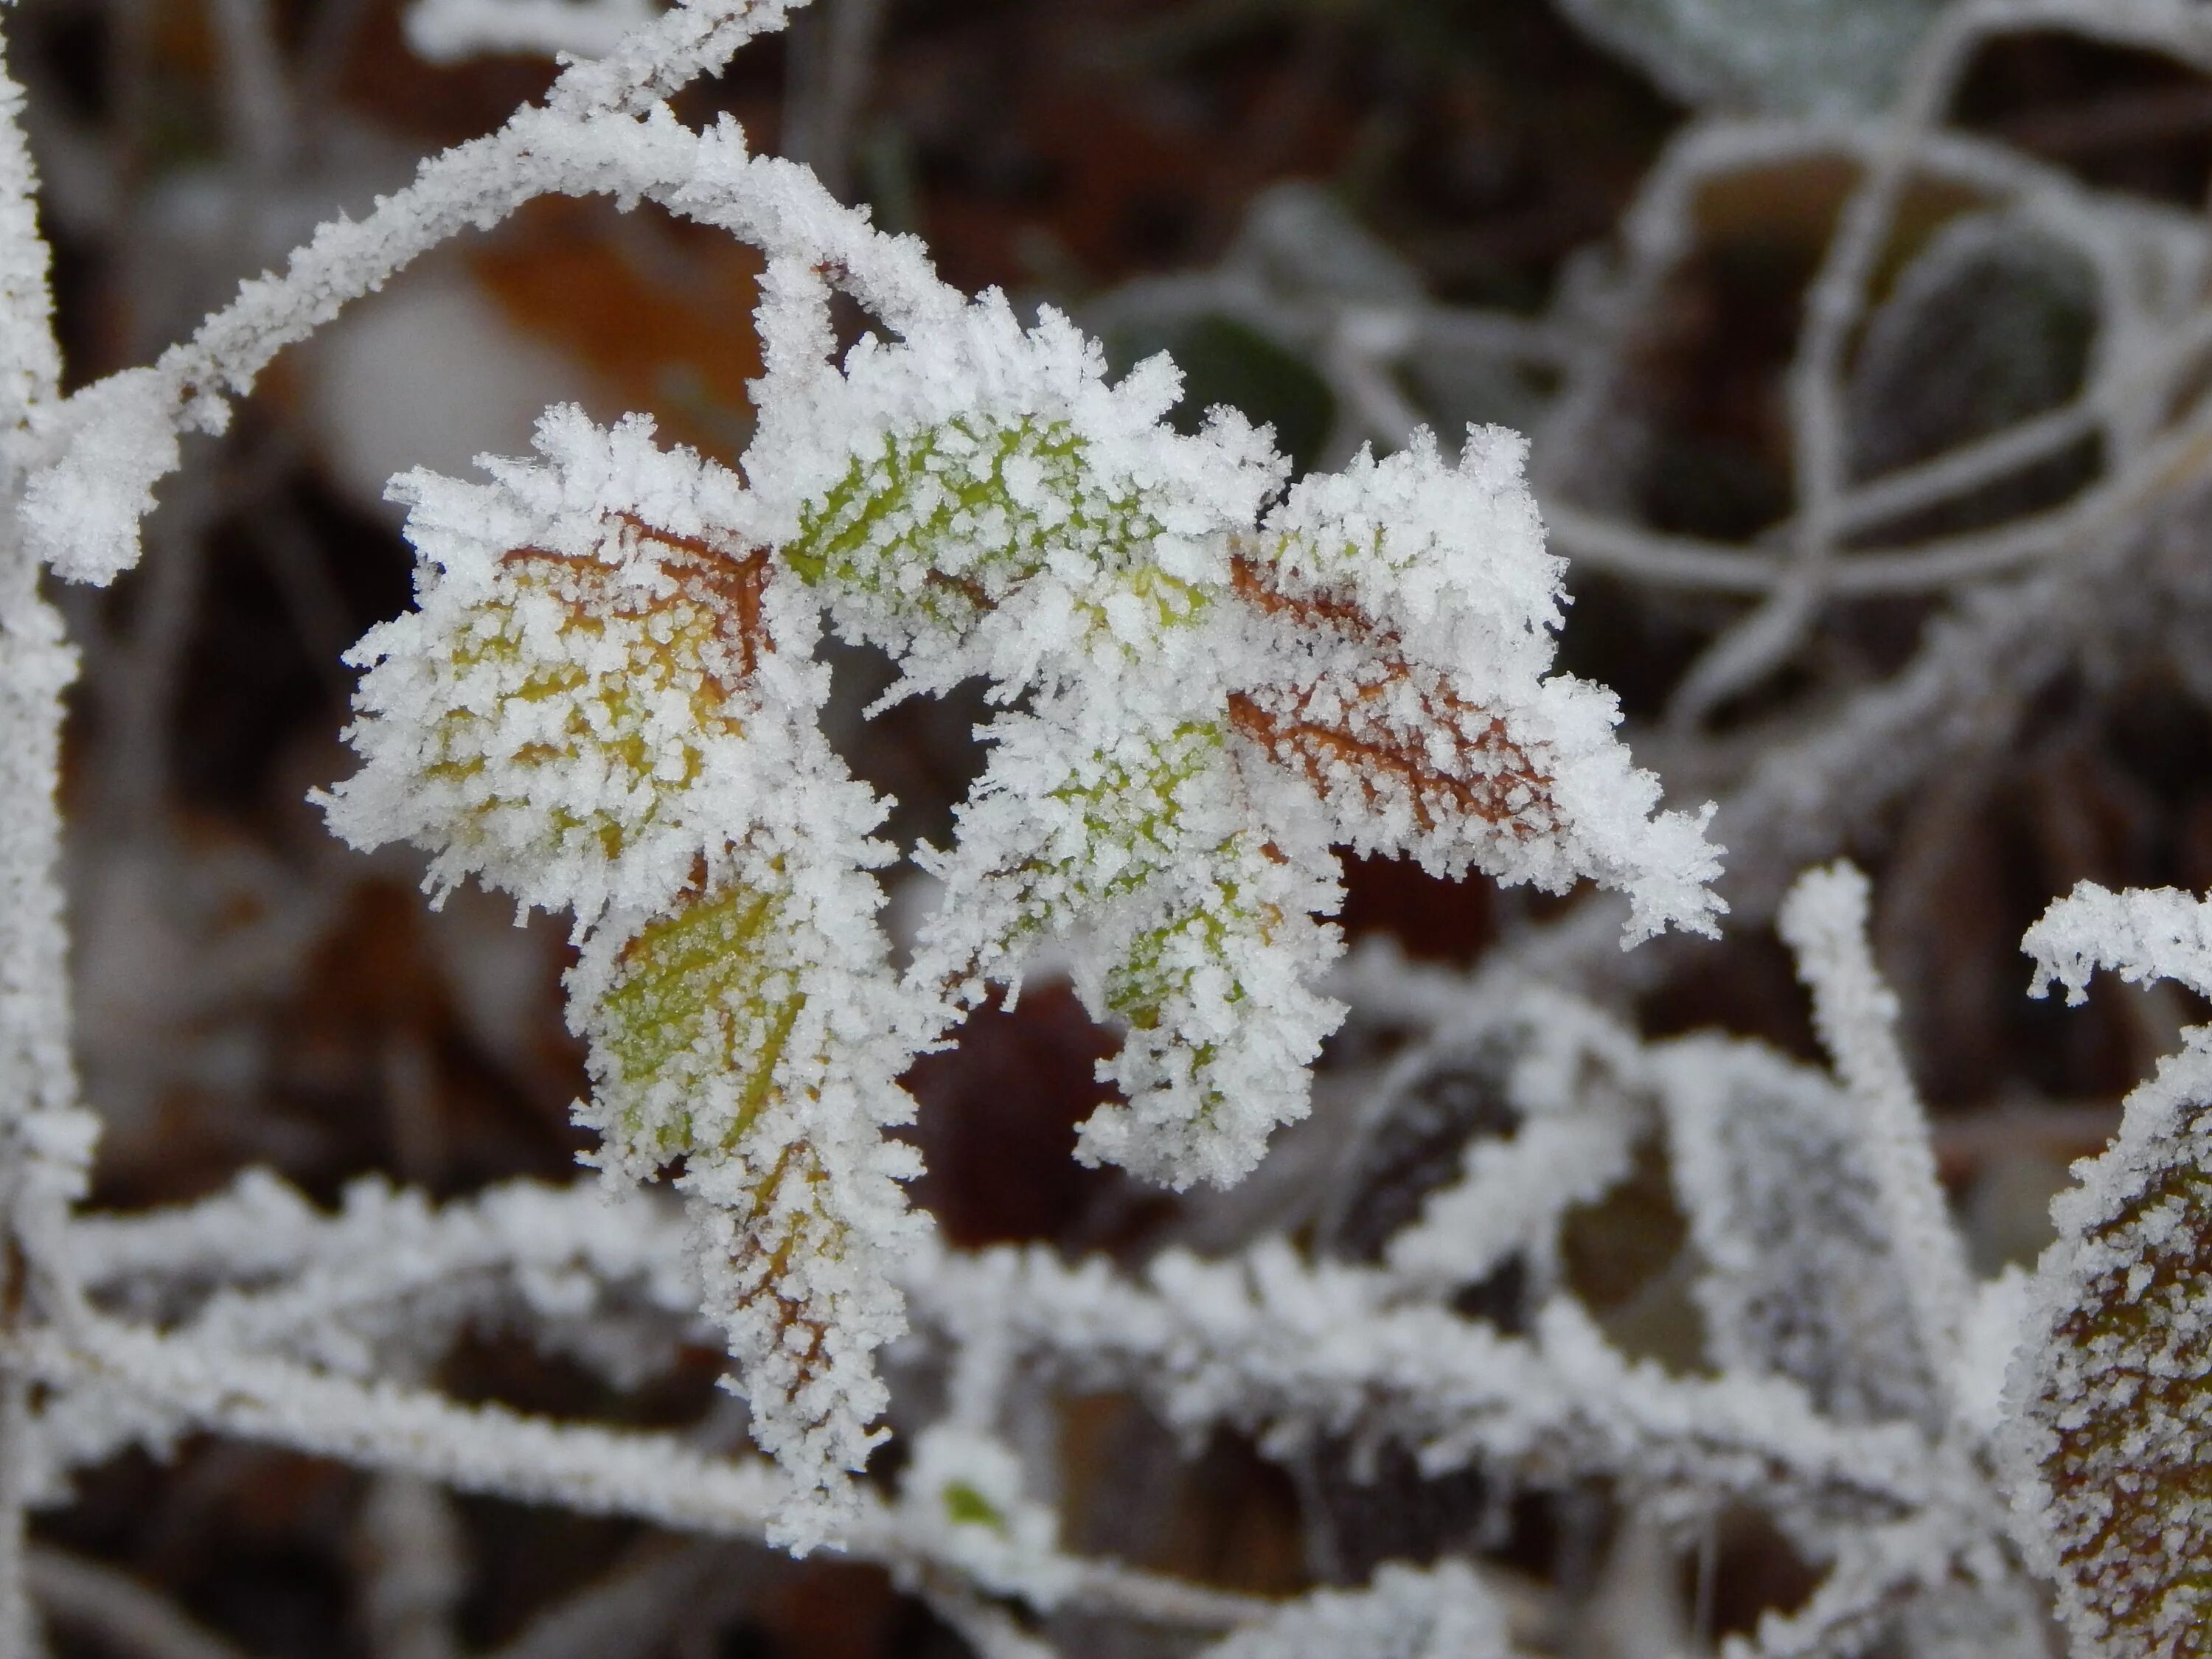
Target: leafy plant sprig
606	701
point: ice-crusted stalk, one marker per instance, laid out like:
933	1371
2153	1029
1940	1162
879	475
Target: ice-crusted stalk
46	1137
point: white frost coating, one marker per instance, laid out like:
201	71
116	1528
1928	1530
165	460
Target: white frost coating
2141	934
46	1135
1824	920
84	510
1442	1613
30	359
1290	1351
448	31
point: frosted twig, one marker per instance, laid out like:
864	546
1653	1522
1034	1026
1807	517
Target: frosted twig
1290	1351
387	1241
45	1138
116	439
414	1576
1824	920
2140	934
489	1450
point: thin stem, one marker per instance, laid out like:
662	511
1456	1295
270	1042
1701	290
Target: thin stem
487	1449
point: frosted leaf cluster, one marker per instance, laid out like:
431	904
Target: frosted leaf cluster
606	701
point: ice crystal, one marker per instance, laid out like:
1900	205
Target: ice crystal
606	702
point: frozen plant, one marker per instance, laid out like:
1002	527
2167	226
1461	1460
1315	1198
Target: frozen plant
1206	679
606	702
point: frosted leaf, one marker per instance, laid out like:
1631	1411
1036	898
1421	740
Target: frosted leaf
1443	1612
753	1030
1799	1277
1408	607
565	712
1214	988
2111	1392
1185	924
934	533
978	498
